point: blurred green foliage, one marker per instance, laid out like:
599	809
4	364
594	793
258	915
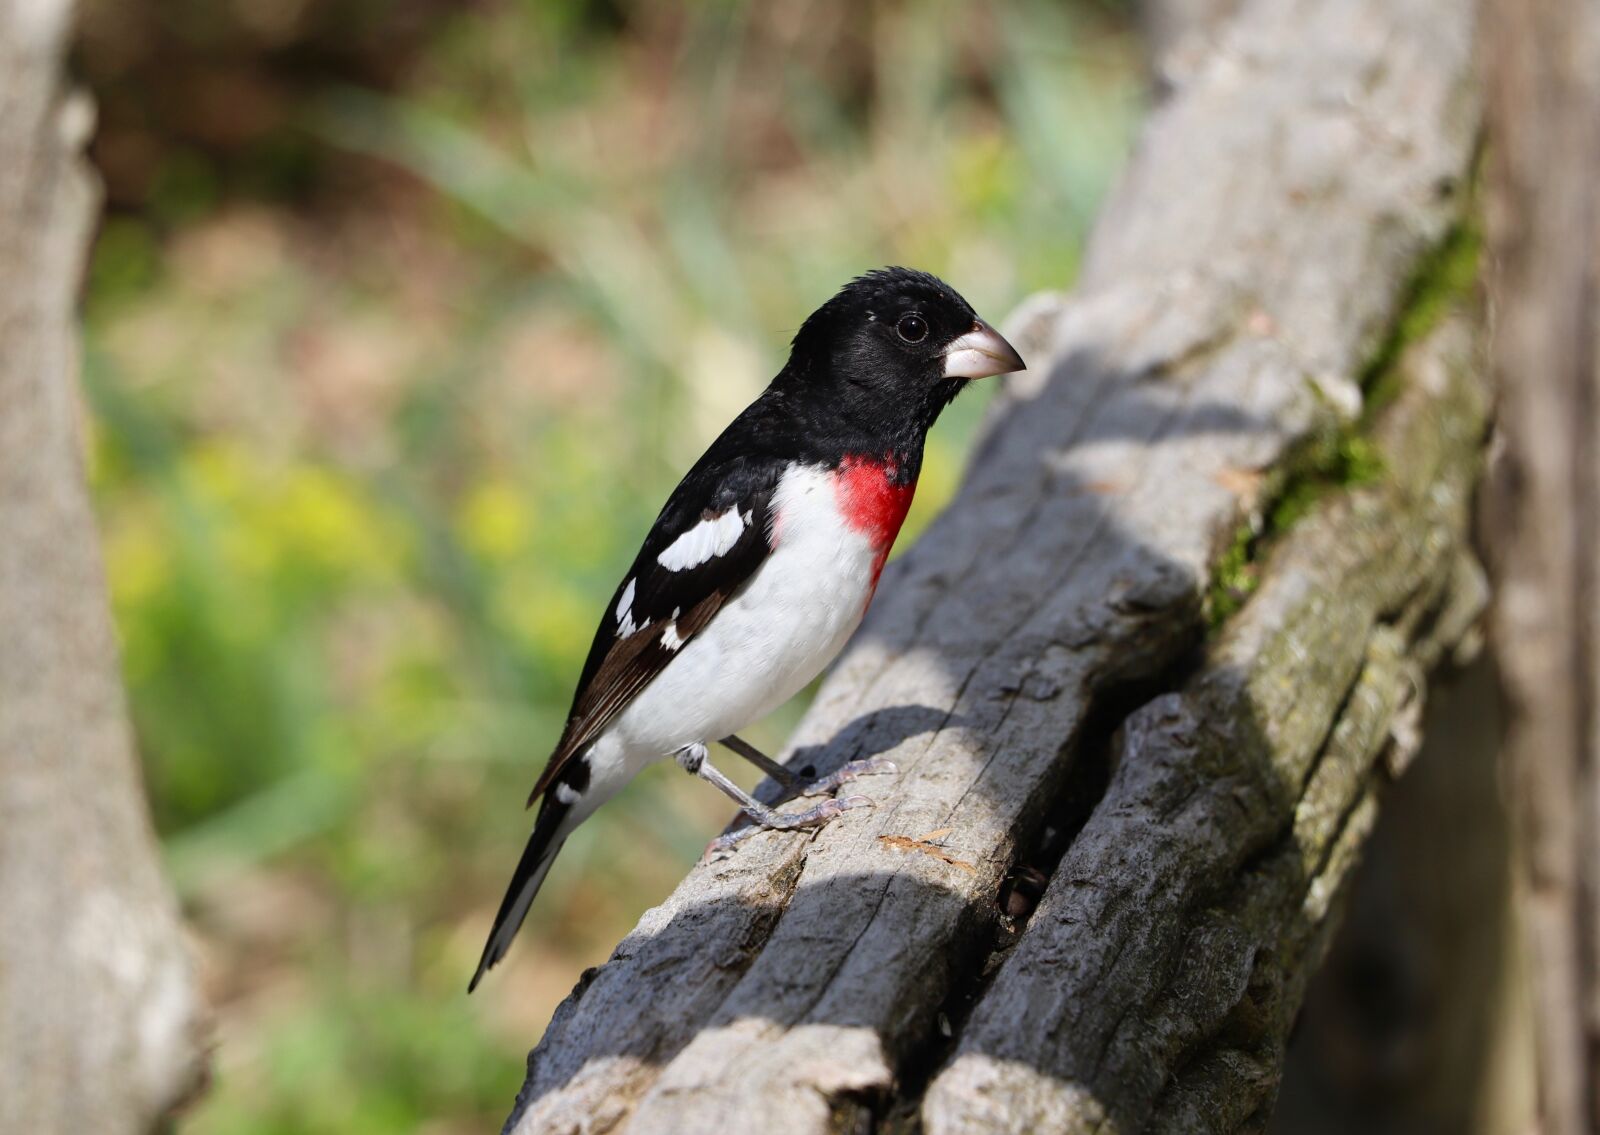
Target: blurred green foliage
386	392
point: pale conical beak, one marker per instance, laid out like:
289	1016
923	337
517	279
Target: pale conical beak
980	353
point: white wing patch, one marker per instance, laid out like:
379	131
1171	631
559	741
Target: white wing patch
669	637
710	538
625	625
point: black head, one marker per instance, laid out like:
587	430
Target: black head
891	350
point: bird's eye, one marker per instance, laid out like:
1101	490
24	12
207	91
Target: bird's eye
912	328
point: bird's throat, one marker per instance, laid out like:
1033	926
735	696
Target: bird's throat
874	495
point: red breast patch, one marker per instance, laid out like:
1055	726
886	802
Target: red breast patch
873	504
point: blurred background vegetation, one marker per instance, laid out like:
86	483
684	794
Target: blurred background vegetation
403	320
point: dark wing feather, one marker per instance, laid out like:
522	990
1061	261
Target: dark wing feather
619	667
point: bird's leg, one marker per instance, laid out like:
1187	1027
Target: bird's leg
766	764
791	783
694	759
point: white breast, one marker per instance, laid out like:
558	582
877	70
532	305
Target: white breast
762	647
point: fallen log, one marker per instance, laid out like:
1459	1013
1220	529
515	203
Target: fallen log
1156	660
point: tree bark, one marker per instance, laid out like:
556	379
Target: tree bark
98	1004
1388	1043
1266	390
1175	35
1543	515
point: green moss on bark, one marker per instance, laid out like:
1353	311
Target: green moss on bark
1234	578
1343	455
1444	278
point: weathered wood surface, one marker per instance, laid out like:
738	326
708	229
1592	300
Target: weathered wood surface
1386	1043
1246	274
1156	983
98	1005
1543	515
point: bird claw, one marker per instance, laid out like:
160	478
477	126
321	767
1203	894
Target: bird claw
791	821
844	804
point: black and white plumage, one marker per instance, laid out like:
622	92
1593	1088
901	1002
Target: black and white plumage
764	558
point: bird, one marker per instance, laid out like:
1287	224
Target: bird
762	562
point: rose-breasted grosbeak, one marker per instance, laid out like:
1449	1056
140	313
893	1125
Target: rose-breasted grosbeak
763	560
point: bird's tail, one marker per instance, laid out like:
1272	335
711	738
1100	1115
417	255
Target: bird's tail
549	833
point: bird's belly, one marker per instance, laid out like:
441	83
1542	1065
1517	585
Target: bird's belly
764	645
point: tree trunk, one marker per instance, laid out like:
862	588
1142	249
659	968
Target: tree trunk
1543	515
1157	660
98	1005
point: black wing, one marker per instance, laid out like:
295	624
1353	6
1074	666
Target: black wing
712	534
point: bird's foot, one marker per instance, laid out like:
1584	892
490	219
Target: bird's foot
844	774
768	820
796	785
